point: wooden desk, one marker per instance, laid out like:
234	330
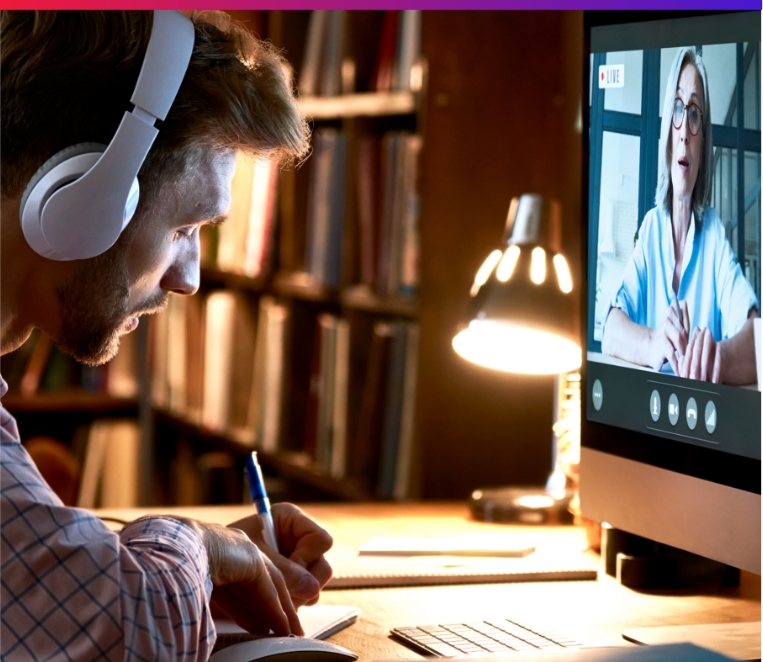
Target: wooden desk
596	610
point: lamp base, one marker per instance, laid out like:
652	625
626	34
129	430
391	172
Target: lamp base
521	504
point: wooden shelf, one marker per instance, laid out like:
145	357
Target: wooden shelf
69	401
291	465
360	297
301	285
233	280
367	104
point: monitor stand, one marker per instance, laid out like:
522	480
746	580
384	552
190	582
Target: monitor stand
740	641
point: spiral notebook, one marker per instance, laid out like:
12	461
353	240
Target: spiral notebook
377	571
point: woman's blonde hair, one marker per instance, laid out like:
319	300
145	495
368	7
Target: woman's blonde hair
67	76
704	185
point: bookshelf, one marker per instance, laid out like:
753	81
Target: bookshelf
464	427
493	116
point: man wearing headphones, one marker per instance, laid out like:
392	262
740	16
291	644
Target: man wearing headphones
103	195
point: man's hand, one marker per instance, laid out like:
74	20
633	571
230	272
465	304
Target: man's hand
302	543
669	341
248	588
703	357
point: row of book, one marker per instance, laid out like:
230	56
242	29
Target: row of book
387	214
387	210
110	469
244	243
220	361
327	72
39	366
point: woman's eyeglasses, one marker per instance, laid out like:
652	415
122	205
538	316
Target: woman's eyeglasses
694	113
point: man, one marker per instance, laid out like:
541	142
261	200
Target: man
70	588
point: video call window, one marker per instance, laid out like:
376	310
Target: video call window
625	116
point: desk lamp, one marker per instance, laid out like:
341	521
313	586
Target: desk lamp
521	316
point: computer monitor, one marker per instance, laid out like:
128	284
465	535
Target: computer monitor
673	457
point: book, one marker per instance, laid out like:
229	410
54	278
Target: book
331	69
325	225
407	280
110	469
338	460
243	241
194	347
218	346
368	193
404	460
241	370
363	459
311	62
262	211
318	621
270	389
381	79
324	434
231	248
408	49
377	571
468	545
390	443
176	353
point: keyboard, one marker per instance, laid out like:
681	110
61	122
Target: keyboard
482	638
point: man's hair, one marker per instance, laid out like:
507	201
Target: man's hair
67	78
703	187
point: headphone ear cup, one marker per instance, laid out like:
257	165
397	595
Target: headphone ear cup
61	169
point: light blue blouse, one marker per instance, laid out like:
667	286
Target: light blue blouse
713	285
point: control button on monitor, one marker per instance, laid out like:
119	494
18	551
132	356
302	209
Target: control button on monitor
711	416
673	409
597	394
691	413
655	405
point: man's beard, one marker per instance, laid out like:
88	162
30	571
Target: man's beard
95	307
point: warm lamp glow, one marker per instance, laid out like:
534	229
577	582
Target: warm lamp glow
485	270
513	348
507	264
538	266
563	273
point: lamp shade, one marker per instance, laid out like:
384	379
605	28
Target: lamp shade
521	310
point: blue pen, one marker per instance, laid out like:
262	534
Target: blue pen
261	501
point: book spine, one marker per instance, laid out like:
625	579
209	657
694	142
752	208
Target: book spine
273	391
324	426
337	190
408	262
319	203
331	76
366	449
311	63
392	414
368	207
405	451
338	464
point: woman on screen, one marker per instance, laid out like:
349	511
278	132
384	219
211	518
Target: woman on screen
684	299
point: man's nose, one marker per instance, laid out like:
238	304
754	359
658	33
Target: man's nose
182	276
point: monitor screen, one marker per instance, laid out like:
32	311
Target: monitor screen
673	223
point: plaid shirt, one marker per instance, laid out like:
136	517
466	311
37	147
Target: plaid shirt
71	589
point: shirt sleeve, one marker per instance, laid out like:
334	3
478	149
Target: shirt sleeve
735	294
72	589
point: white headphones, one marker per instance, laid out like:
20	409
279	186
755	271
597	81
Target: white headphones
79	201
